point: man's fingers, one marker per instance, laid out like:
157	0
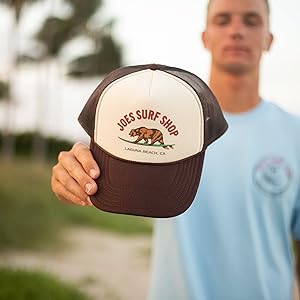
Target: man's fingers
85	157
66	188
68	163
66	196
73	176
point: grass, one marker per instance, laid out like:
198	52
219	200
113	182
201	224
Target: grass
25	285
31	216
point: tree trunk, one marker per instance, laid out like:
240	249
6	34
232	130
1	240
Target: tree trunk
8	146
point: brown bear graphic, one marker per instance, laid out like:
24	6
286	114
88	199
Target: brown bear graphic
154	135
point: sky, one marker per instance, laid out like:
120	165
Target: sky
168	31
156	31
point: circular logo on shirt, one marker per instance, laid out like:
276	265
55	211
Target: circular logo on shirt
272	175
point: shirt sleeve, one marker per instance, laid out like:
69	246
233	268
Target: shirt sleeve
296	218
295	224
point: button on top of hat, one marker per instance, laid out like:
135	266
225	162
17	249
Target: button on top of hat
153	67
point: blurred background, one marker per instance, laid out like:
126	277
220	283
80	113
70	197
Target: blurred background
53	54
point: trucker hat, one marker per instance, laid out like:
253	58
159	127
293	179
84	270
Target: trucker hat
149	127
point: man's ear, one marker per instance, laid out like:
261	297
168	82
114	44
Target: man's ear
204	38
269	42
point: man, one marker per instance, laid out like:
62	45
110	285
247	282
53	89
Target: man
234	242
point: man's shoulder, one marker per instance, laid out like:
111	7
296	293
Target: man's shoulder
281	113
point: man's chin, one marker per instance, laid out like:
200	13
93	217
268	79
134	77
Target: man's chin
236	69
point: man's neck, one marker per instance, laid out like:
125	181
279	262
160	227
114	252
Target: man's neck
235	93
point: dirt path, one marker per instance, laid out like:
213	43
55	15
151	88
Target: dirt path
104	265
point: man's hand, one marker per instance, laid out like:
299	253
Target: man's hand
73	176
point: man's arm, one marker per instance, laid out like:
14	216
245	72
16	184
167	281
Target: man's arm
73	176
297	254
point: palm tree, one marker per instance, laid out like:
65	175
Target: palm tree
3	97
107	55
56	32
16	7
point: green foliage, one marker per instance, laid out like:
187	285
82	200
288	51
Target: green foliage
32	217
104	60
25	285
83	11
55	145
56	32
29	217
90	216
24	145
3	90
17	6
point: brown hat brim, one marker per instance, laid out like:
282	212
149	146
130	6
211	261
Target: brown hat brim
151	190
